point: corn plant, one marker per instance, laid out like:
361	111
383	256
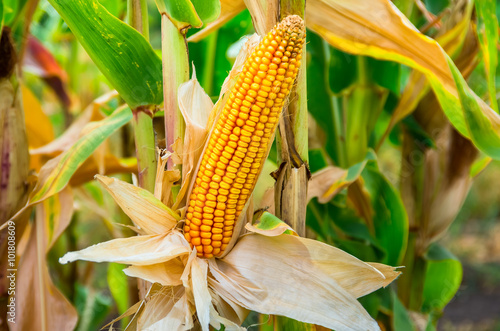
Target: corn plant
235	162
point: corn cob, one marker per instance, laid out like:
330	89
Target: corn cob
240	140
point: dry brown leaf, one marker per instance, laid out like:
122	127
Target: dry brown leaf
326	183
40	304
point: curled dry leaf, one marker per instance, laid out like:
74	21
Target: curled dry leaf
325	183
138	250
150	214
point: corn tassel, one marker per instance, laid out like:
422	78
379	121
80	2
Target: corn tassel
241	138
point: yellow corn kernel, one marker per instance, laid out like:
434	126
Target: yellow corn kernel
241	138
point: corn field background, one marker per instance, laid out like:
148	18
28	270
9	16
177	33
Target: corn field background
387	148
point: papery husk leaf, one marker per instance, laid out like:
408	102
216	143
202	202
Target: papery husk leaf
231	311
201	295
131	311
165	179
159	306
195	106
166	273
179	318
217	321
229	9
138	250
323	298
264	14
147	212
41	306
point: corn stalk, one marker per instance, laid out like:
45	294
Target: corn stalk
143	115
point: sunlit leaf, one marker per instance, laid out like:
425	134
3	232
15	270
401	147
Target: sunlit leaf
488	31
119	51
484	127
55	175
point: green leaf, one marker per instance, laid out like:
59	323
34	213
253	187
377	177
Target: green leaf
186	13
285	323
92	308
12	9
342	70
401	318
488	39
208	10
54	177
1	17
389	219
118	286
121	53
484	127
442	278
268	222
319	98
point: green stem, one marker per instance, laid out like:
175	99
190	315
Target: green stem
143	116
338	129
175	72
411	283
145	147
137	15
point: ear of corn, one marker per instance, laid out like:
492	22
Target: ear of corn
240	140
